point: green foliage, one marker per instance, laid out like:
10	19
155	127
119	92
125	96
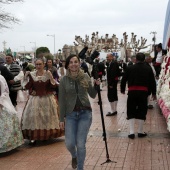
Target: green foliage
49	56
41	51
147	54
8	51
30	67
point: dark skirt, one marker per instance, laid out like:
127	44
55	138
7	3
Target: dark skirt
39	134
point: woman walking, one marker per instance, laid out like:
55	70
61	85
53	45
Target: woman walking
10	131
40	117
75	106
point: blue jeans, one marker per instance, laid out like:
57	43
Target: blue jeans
76	131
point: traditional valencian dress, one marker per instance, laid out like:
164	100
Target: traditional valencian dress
10	131
40	117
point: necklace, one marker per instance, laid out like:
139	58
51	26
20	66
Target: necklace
40	74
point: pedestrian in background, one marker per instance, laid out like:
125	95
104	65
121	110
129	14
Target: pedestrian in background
113	73
49	66
148	62
84	67
98	67
10	130
131	61
158	59
75	107
122	67
61	69
15	70
140	80
5	72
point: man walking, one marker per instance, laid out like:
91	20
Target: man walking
158	60
14	69
100	70
5	72
113	73
141	81
148	62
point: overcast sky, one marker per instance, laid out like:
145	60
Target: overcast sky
67	18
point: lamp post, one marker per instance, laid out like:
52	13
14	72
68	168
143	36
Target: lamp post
154	40
54	41
35	48
59	54
154	37
24	50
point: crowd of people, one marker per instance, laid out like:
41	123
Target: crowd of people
58	98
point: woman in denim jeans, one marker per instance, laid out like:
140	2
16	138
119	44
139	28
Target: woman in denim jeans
75	109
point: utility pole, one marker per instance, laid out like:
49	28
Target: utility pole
54	42
154	40
34	49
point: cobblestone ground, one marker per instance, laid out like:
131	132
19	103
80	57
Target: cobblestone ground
150	153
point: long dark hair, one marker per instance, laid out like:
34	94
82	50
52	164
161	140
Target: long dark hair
46	65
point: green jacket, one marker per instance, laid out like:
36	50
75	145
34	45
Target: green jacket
68	95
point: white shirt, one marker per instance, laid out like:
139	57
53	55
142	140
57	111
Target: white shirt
19	77
60	72
159	57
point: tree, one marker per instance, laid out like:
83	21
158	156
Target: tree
49	56
41	51
6	18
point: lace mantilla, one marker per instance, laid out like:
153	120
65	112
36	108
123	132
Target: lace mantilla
43	78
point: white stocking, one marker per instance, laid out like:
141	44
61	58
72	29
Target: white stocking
140	125
101	86
112	106
115	105
131	125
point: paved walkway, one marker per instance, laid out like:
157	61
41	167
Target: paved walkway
150	153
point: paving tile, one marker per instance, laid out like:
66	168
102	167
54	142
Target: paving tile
7	164
150	153
22	165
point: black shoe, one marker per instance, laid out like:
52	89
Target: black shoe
142	135
150	106
114	113
32	142
131	136
74	163
111	114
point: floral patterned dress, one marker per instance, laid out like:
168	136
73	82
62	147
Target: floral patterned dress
10	131
40	117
